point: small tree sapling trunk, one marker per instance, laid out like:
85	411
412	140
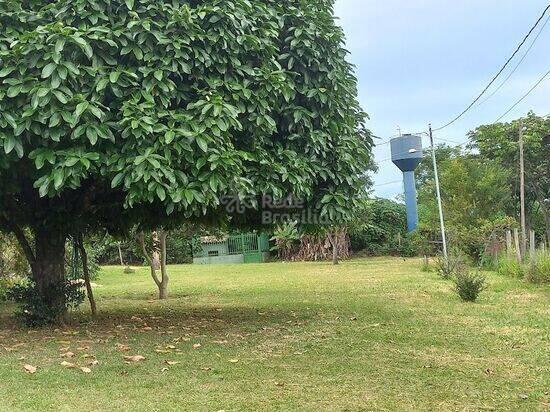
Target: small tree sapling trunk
163	289
156	250
120	254
86	273
333	238
162	283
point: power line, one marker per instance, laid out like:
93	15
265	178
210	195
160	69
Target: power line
518	64
498	73
524	96
388	183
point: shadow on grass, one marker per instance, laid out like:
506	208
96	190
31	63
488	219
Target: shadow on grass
159	317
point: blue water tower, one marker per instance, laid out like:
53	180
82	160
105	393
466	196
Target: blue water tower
406	154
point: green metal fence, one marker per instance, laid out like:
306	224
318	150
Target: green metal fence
241	248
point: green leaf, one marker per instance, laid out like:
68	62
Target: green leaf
13	91
113	77
9	144
60	96
57	178
213	182
169	136
72	68
129	4
48	70
81	108
188	195
101	85
202	144
6	71
91	134
161	193
84	45
117	179
158	75
59	44
42	92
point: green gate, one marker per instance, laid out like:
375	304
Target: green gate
238	248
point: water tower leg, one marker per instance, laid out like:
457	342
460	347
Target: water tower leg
410	200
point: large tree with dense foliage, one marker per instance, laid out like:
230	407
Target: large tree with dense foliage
475	194
117	112
499	142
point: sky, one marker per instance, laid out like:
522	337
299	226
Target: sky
424	61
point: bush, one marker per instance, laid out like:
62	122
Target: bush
12	260
34	311
539	271
456	263
6	283
509	266
469	286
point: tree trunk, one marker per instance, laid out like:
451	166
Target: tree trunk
334	241
48	268
156	250
120	254
86	273
163	287
161	283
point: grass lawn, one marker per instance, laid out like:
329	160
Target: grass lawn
370	334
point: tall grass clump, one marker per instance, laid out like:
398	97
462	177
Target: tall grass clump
509	266
538	271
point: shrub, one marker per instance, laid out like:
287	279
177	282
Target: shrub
509	266
6	282
34	311
539	271
426	266
455	263
469	286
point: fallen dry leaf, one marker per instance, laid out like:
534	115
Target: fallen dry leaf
67	355
233	360
29	368
164	369
134	358
206	368
171	363
66	364
85	369
93	362
122	347
196	345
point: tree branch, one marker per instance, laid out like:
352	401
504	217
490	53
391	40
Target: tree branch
21	238
141	238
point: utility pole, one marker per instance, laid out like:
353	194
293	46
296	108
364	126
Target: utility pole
522	192
439	204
